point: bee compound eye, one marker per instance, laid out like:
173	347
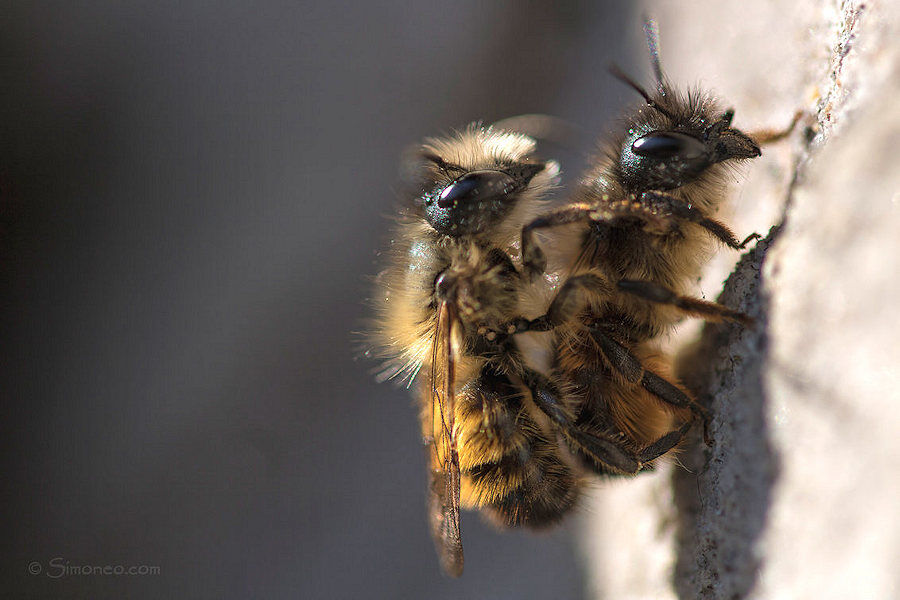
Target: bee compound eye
475	186
668	144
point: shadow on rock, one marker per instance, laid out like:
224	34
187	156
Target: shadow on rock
724	494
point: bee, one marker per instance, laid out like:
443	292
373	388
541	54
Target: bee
455	304
645	213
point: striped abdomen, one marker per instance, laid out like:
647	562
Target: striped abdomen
509	466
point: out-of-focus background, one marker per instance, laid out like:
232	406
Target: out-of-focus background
191	200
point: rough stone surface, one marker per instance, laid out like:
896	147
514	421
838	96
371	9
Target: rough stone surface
797	496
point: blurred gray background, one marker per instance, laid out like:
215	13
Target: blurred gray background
192	196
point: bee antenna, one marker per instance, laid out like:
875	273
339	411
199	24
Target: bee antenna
620	74
651	30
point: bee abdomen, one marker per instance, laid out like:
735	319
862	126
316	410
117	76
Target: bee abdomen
509	467
545	489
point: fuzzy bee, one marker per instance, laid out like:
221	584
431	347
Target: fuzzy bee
451	303
644	214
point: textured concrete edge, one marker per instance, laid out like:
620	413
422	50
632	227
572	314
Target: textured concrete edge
725	493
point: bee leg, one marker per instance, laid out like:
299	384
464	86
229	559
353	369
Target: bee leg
565	305
533	258
709	311
768	136
676	209
658	212
569	301
665	443
627	365
624	210
603	452
590	446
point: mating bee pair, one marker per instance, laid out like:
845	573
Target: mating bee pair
537	326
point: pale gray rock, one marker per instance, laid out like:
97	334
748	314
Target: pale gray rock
797	496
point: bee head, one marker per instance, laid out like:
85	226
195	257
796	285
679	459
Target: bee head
469	183
669	157
677	139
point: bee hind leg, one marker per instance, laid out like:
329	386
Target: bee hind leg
629	367
665	443
603	452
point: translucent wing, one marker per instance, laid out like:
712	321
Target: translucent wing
443	499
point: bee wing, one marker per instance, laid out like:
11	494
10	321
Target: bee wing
443	499
443	508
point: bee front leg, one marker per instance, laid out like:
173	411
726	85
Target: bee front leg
568	302
658	212
768	136
610	212
675	209
533	258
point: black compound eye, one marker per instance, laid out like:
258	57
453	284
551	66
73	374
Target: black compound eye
666	145
476	186
476	201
